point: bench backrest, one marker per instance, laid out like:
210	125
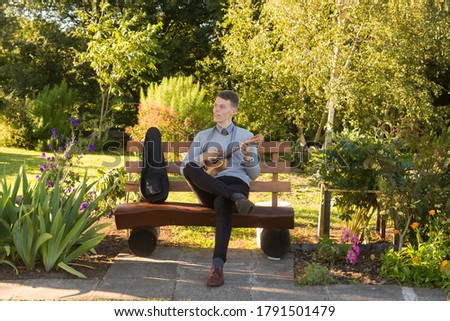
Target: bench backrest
270	162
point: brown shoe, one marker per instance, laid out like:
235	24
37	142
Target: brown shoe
244	206
215	278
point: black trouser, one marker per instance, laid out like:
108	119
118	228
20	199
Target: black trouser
215	192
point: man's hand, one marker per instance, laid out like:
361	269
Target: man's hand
211	155
245	149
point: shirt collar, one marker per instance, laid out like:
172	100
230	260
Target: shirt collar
229	128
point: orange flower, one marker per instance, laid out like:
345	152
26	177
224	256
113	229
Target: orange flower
443	265
415	260
432	212
414	225
396	231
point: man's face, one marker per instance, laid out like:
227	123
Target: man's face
223	111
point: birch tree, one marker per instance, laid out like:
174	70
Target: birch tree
302	66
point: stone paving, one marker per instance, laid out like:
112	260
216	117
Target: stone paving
179	274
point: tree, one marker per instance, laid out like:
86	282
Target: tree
118	48
302	63
34	52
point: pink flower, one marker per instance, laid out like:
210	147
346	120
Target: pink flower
344	235
352	257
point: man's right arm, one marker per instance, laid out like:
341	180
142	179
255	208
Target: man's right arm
193	154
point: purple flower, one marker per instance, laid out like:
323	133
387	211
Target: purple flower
84	206
37	176
50	183
53	132
91	147
43	155
74	121
50	146
43	168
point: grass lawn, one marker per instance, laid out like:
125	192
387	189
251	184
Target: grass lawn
11	159
305	198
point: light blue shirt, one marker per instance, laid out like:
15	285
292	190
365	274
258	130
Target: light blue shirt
237	167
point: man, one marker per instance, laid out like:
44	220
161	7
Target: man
228	190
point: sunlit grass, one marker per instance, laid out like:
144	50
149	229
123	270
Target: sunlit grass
304	198
11	159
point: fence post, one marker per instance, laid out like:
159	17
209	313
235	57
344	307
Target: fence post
324	212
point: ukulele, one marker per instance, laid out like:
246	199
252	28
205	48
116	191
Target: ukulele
219	164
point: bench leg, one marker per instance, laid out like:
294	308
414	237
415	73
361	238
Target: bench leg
143	240
275	242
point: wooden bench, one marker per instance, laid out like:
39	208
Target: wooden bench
144	219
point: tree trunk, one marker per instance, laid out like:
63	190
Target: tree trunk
103	112
331	106
332	100
323	121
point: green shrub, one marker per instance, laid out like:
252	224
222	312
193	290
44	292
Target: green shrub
316	274
425	265
9	214
415	187
114	180
176	106
352	164
16	125
50	109
48	224
182	96
411	174
329	251
71	221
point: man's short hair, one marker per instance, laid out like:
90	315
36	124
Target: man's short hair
231	96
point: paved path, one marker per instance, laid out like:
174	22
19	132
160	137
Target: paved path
178	274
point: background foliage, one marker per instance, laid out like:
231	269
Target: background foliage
309	65
303	69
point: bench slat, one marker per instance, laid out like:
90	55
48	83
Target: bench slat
256	186
182	147
134	215
174	167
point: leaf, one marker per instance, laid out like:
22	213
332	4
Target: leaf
42	239
10	264
84	247
71	270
